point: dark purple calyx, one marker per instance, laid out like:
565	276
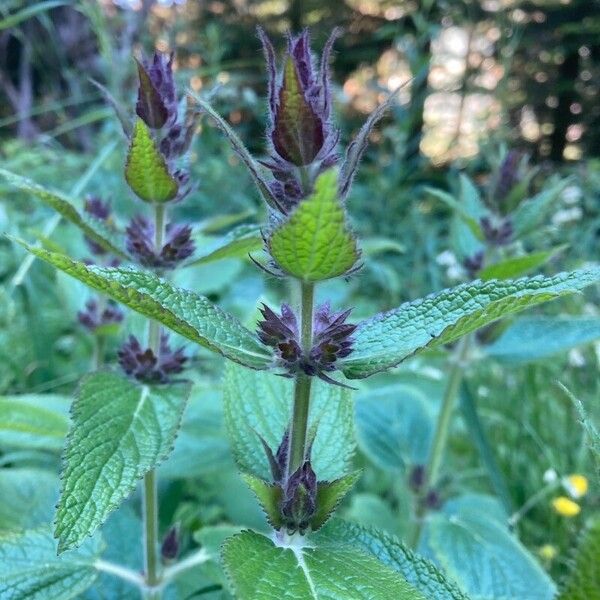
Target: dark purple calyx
178	245
93	317
169	549
100	210
331	340
142	364
508	175
497	231
474	263
300	129
157	98
299	499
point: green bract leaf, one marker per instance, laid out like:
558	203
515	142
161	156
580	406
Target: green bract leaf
583	582
315	243
484	558
28	498
237	243
517	266
31	421
329	495
260	403
533	338
269	497
31	570
388	338
257	568
417	571
146	171
185	312
93	228
121	430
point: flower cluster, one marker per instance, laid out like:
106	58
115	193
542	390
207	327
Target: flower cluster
93	317
144	365
332	340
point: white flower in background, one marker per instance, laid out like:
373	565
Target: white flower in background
576	358
550	476
566	215
572	194
454	269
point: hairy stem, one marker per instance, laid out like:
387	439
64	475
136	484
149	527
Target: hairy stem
150	487
303	383
440	437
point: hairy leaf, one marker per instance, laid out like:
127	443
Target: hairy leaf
260	403
258	568
269	497
31	570
185	312
146	171
534	338
121	430
329	496
315	243
418	571
93	228
583	582
388	338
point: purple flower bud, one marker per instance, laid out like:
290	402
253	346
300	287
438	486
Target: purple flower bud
100	210
416	478
144	365
169	549
497	232
157	100
474	263
140	244
508	175
331	340
92	317
299	498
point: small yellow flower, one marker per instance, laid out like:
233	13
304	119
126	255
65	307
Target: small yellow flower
566	507
576	485
548	552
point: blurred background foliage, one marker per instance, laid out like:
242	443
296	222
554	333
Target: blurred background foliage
479	77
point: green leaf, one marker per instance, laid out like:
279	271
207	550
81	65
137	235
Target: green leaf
484	558
121	430
460	210
31	570
269	497
520	265
28	498
385	340
237	243
315	243
394	426
530	213
534	338
583	581
185	312
31	421
258	568
329	496
418	571
146	171
260	403
14	19
93	228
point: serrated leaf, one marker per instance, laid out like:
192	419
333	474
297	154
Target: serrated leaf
315	242
257	568
269	497
237	243
534	338
31	570
95	229
394	426
146	171
28	497
31	421
260	403
189	314
120	431
417	571
583	581
519	265
385	340
483	557
329	496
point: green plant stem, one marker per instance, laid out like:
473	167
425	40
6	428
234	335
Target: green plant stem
440	437
303	383
150	488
